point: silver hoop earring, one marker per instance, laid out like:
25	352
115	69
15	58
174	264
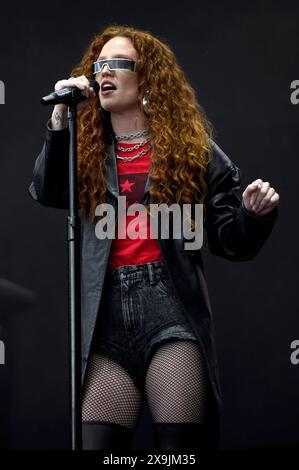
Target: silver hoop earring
145	103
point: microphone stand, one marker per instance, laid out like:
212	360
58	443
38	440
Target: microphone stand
73	95
73	237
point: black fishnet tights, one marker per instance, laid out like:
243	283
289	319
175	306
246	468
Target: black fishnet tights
176	387
109	393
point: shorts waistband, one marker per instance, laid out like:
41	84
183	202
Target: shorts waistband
138	271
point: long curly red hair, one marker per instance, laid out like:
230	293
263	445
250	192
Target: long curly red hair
178	126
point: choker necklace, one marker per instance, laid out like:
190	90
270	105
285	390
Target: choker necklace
132	135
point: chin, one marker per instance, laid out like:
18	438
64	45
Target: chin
110	107
115	107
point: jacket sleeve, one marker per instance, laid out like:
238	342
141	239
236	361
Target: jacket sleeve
50	178
233	232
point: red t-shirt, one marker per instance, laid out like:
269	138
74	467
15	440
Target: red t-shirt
132	177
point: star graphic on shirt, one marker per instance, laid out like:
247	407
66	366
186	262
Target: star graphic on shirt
126	186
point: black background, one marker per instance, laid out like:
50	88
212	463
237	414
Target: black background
241	59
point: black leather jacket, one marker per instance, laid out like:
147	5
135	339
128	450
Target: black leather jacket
232	233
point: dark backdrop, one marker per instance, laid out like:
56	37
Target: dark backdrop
241	59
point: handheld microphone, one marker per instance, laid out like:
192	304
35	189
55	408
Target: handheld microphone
70	95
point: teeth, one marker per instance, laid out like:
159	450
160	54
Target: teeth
108	86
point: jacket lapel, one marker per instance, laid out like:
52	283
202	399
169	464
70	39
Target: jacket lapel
111	172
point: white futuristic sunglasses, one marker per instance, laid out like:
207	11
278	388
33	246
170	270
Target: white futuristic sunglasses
114	64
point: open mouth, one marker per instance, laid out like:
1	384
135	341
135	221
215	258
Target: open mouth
107	87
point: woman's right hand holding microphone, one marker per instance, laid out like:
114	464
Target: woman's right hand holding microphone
59	115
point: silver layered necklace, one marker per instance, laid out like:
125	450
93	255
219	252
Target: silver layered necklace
131	136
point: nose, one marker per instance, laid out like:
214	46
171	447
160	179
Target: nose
106	70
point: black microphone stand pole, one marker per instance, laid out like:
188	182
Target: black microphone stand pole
72	96
73	236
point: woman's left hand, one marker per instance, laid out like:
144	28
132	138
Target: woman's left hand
259	197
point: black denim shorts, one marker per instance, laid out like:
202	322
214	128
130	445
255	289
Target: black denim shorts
139	310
